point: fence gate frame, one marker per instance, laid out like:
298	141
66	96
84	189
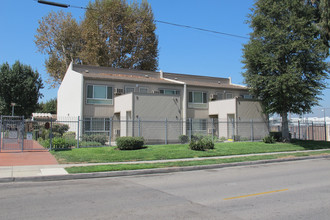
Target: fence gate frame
11	132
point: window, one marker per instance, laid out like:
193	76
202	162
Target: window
197	100
143	90
247	96
99	94
219	96
96	125
169	91
229	95
129	89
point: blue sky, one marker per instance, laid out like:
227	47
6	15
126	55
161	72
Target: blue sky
180	50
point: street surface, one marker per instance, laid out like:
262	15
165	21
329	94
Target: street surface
290	190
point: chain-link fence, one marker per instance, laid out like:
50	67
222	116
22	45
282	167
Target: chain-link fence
95	132
304	129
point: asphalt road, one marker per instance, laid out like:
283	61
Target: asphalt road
290	190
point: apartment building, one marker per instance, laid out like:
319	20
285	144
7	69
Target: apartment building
99	94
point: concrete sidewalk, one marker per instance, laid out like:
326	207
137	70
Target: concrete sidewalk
14	172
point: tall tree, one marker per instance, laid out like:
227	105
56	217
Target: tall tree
120	35
20	85
59	37
112	33
285	58
322	14
49	106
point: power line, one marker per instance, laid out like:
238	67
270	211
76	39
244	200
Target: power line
163	22
201	29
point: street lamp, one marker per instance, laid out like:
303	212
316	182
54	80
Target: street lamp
12	108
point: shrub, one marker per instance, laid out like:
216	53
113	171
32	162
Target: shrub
101	138
60	144
222	139
276	135
69	135
183	139
269	139
130	143
202	144
89	144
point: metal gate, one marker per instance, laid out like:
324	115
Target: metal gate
12	133
15	136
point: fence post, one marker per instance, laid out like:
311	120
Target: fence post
252	133
299	129
212	121
165	130
51	134
312	131
78	128
139	128
110	131
190	128
22	130
233	125
325	130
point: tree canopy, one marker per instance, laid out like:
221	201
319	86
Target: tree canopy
112	33
49	106
20	85
285	57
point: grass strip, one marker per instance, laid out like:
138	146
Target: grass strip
121	167
178	151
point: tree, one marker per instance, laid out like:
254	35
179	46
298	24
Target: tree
285	58
59	37
48	107
20	85
322	14
112	33
120	35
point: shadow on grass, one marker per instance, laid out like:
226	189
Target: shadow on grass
311	145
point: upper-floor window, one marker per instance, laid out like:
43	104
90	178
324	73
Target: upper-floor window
129	89
197	99
99	94
219	96
143	90
169	91
229	95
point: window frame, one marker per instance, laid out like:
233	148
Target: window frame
99	101
175	91
193	104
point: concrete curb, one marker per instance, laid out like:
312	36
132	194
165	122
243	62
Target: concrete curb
151	171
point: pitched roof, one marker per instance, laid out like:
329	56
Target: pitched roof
97	72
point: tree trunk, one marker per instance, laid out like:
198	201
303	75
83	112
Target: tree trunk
285	127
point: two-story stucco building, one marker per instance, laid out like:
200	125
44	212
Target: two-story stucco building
96	94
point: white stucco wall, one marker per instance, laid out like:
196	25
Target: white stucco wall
70	95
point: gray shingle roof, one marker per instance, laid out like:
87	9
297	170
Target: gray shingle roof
96	72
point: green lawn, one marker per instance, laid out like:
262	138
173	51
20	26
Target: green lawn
161	152
118	167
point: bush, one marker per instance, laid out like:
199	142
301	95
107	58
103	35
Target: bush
61	144
130	143
276	135
69	135
202	144
101	138
183	139
89	144
269	139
